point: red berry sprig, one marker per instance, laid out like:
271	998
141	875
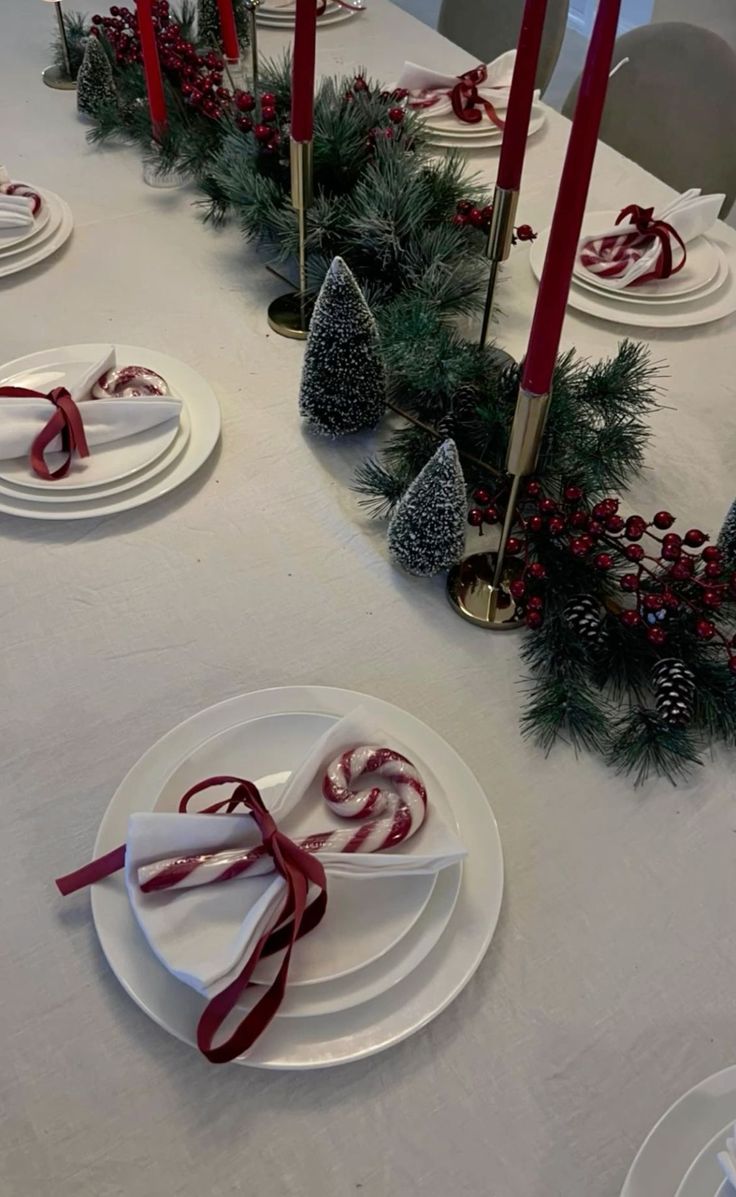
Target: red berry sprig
468	214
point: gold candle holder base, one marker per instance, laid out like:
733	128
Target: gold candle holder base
54	77
471	592
289	315
478	587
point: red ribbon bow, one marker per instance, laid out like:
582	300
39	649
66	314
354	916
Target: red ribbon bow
295	919
643	221
466	100
65	422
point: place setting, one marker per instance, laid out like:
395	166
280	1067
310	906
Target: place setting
691	1150
91	430
295	878
34	223
649	267
281	14
466	111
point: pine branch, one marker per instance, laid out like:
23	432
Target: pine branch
643	746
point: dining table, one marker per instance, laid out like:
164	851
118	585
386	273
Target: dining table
608	987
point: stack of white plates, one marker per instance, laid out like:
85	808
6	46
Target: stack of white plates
679	1156
125	473
703	291
443	129
390	954
51	226
281	14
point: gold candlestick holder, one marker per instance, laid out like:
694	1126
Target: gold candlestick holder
498	247
479	587
252	7
54	76
289	315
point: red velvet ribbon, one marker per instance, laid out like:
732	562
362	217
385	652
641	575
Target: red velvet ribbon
66	422
295	919
643	221
466	100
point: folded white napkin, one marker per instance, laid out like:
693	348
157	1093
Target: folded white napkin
423	83
690	215
104	420
205	935
15	211
727	1159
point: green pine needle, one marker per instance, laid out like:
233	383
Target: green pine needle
642	746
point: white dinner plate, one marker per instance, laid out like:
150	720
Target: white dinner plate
704	1176
204	416
677	1139
701	265
373	1025
639	295
175	450
365	919
109	463
717	306
12	262
13	237
490	136
286	20
374	979
447	124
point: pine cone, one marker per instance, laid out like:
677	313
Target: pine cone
583	616
674	691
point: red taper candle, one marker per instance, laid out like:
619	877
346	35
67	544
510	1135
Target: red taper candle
230	46
302	71
516	125
152	68
564	235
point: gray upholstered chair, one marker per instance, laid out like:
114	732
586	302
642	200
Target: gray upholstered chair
487	28
672	107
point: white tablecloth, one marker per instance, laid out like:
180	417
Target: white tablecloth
608	989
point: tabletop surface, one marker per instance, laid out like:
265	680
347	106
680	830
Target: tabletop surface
608	988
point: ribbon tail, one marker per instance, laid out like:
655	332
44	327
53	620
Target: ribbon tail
96	870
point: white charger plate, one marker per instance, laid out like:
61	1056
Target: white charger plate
638	295
9	239
12	263
491	138
447	129
677	1139
108	463
175	450
373	1025
700	266
204	416
694	312
366	918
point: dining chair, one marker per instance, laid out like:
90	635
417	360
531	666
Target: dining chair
672	107
487	28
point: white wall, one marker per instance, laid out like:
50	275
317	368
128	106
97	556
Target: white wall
718	15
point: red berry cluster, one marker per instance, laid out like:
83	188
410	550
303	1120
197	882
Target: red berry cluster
266	130
682	576
466	213
395	114
198	75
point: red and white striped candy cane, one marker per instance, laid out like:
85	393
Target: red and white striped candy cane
398	809
25	190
